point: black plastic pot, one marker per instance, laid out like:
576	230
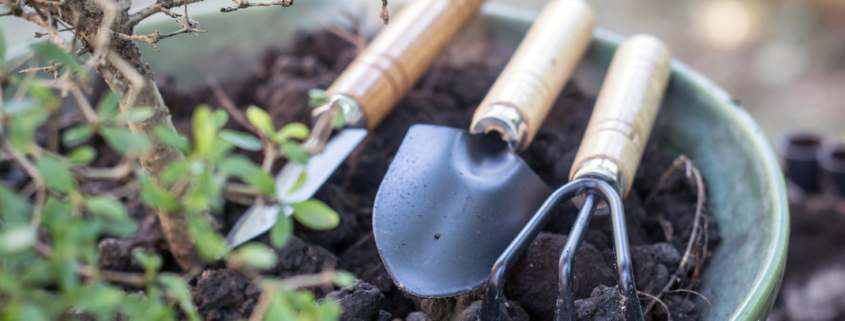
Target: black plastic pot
800	152
831	157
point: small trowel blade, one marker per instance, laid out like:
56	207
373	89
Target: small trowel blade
319	168
449	205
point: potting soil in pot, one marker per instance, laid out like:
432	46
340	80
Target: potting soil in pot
447	95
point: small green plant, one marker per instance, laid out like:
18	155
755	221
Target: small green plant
50	225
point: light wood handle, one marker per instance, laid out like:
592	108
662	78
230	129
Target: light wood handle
393	62
626	107
538	70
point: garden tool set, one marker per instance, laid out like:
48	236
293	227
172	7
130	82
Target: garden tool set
453	200
604	169
363	94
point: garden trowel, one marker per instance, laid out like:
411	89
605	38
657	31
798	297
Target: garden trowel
453	200
363	94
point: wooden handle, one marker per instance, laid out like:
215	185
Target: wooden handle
626	107
393	62
538	70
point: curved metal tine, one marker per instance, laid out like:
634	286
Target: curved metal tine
624	264
496	282
566	295
566	310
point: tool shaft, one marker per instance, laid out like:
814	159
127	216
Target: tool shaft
537	72
396	59
626	108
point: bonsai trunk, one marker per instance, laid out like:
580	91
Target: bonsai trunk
90	17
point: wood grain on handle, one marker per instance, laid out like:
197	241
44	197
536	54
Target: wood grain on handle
627	106
393	62
542	64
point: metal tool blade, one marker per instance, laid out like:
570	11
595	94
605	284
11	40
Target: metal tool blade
449	205
254	222
319	168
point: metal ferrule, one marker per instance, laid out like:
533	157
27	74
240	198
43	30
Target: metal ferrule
507	121
348	107
601	169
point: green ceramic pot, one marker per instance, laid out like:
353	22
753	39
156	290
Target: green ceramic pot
745	187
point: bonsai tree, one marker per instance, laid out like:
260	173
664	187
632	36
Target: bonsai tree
50	225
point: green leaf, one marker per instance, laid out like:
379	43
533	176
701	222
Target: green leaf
77	135
37	272
23	105
315	215
150	261
171	138
292	130
100	300
343	279
260	119
125	142
30	312
14	210
22	128
279	309
256	255
242	140
82	155
56	174
210	245
294	152
174	171
328	310
220	118
154	196
107	107
205	130
14	239
175	286
57	213
282	230
299	181
241	167
107	207
205	191
317	97
139	114
53	53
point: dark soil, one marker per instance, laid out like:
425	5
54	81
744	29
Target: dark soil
446	96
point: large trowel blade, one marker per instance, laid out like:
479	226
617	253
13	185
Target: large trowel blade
449	205
320	167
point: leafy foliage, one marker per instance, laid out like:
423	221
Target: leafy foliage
50	224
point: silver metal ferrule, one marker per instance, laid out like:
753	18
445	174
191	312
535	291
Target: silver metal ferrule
605	170
507	121
348	107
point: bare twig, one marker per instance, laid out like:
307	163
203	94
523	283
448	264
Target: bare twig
137	280
384	15
105	174
691	171
27	166
161	6
693	292
227	104
51	69
83	104
243	4
354	38
126	69
154	37
655	299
